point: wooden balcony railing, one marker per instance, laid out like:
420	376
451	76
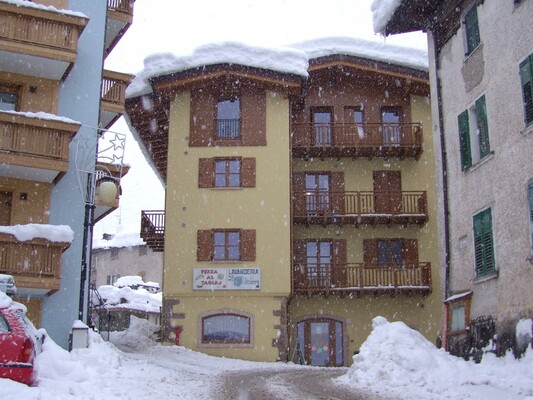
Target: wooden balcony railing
36	260
123	6
35	142
58	33
352	140
153	229
113	95
360	208
308	278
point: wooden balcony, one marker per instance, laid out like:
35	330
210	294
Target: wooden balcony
360	208
35	146
362	278
113	94
153	229
38	42
35	264
351	140
119	19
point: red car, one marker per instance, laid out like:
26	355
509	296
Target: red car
18	345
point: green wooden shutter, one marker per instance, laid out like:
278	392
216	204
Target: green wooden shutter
464	141
483	243
526	79
472	30
483	127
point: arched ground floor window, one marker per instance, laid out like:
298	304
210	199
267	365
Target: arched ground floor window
225	328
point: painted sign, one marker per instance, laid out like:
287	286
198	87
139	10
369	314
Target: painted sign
226	279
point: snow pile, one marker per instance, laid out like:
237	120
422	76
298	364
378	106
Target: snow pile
140	335
5	300
132	299
29	4
382	11
401	359
281	59
405	56
123	238
53	233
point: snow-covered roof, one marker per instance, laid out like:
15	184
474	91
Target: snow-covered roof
133	282
29	4
53	233
372	50
293	59
382	11
119	240
458	296
283	60
132	299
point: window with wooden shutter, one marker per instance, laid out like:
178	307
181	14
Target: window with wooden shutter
464	141
473	38
482	126
483	243
298	193
203	118
204	245
248	245
370	251
248	171
298	264
206	172
340	259
337	196
526	80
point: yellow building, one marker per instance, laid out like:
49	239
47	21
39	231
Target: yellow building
300	198
53	94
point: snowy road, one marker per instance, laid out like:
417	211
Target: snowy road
307	383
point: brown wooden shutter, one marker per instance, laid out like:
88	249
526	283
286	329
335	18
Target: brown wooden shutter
253	118
339	263
370	251
247	244
298	264
410	251
337	189
204	245
206	173
298	193
248	172
203	118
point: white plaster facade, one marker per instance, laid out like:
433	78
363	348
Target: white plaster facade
500	180
126	261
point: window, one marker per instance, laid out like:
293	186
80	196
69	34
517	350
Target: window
483	243
355	116
226	245
526	80
390	251
530	199
318	262
8	98
111	279
226	327
226	172
4	326
390	121
114	254
229	119
473	134
322	124
458	318
472	37
317	196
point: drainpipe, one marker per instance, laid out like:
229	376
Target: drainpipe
444	165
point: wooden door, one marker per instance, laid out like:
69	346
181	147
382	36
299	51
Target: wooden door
5	208
320	341
387	192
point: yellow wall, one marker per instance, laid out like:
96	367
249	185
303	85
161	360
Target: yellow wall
35	94
423	313
35	209
189	209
